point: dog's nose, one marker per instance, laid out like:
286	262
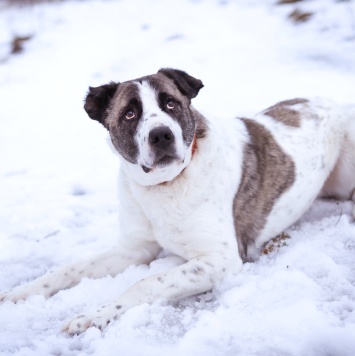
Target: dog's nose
161	137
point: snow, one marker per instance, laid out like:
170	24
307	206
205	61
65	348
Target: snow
57	173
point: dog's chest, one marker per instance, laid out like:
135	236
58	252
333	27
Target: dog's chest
185	217
171	211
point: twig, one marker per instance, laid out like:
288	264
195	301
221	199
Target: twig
341	213
56	232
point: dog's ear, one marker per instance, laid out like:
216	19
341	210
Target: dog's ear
98	99
188	85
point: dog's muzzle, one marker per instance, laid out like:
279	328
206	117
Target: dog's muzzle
161	141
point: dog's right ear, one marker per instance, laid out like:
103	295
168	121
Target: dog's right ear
98	99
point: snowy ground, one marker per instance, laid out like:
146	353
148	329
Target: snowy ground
57	174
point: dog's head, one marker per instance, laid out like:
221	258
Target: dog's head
150	121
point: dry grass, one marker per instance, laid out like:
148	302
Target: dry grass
276	243
281	2
18	42
21	3
299	16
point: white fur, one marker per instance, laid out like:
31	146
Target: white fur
190	215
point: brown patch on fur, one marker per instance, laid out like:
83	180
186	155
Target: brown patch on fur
283	112
201	124
267	173
187	85
122	131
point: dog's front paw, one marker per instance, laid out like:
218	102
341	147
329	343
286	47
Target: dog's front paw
14	295
84	322
78	325
99	319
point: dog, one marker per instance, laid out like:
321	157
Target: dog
213	192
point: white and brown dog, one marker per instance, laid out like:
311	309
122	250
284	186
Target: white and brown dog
212	192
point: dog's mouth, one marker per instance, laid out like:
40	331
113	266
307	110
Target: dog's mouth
163	161
146	169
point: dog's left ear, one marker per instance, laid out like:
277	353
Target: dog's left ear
98	99
188	85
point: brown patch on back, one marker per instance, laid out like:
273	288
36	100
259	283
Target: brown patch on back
267	173
284	112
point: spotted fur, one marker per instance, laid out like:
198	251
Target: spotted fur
214	205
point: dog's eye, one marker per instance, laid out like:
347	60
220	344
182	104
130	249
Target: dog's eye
130	115
170	105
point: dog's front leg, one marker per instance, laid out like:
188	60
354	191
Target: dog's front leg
196	276
108	263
